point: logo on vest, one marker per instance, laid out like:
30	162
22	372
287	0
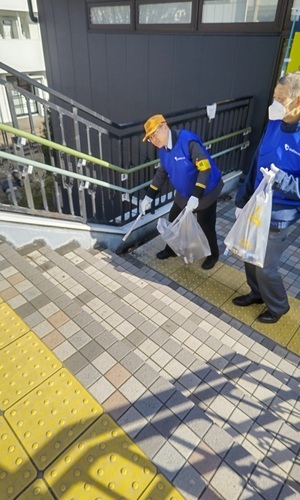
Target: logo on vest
288	148
177	158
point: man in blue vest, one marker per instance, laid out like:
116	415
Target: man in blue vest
280	145
194	175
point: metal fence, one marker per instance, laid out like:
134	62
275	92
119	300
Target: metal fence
111	153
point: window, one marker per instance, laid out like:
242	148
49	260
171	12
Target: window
165	13
9	27
20	102
249	16
239	11
110	15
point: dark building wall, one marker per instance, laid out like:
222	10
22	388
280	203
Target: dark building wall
128	77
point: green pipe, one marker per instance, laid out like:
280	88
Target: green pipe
97	161
49	168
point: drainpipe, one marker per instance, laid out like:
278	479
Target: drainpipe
33	18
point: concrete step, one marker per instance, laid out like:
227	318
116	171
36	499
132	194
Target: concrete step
239	417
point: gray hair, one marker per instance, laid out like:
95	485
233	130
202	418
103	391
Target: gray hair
292	81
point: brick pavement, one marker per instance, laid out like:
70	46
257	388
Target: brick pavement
213	406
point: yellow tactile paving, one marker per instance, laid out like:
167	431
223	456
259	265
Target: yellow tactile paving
103	463
160	489
167	266
187	277
214	292
24	364
37	491
231	278
219	285
55	440
208	273
294	344
11	326
48	419
16	468
283	331
246	315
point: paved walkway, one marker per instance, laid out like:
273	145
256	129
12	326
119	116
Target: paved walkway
212	404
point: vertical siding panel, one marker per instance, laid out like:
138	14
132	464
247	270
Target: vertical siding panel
78	22
129	76
97	55
50	48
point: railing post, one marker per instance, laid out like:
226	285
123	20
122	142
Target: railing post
81	190
14	118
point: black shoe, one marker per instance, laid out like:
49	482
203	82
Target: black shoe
209	262
269	317
165	254
246	300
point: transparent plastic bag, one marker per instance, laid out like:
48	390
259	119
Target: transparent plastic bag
185	237
248	237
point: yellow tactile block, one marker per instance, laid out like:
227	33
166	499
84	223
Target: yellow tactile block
294	344
52	416
283	331
232	278
16	469
11	326
214	292
167	266
24	364
37	491
246	315
208	272
161	489
187	277
103	463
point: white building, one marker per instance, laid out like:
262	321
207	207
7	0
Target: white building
21	49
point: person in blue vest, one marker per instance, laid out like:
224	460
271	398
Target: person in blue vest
194	175
280	146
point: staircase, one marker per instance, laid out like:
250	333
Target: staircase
215	420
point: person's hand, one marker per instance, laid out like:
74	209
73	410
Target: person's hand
192	203
146	204
269	174
237	212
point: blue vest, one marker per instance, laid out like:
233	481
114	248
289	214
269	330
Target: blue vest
282	149
181	169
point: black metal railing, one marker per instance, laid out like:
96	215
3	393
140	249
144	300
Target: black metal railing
68	123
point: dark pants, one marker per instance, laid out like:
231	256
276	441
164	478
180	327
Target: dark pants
266	282
207	220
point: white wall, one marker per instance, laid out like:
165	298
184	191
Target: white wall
17	5
22	55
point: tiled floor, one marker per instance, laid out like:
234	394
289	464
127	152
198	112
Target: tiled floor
213	403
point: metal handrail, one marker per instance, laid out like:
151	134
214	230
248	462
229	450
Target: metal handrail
92	180
44	166
103	163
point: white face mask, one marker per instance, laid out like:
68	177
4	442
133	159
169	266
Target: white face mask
276	111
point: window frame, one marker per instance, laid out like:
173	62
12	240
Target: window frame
164	27
240	28
110	27
282	22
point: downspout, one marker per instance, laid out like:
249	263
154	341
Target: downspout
33	18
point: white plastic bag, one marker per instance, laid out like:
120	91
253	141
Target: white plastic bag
248	237
185	237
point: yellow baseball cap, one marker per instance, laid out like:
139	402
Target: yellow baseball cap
152	124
